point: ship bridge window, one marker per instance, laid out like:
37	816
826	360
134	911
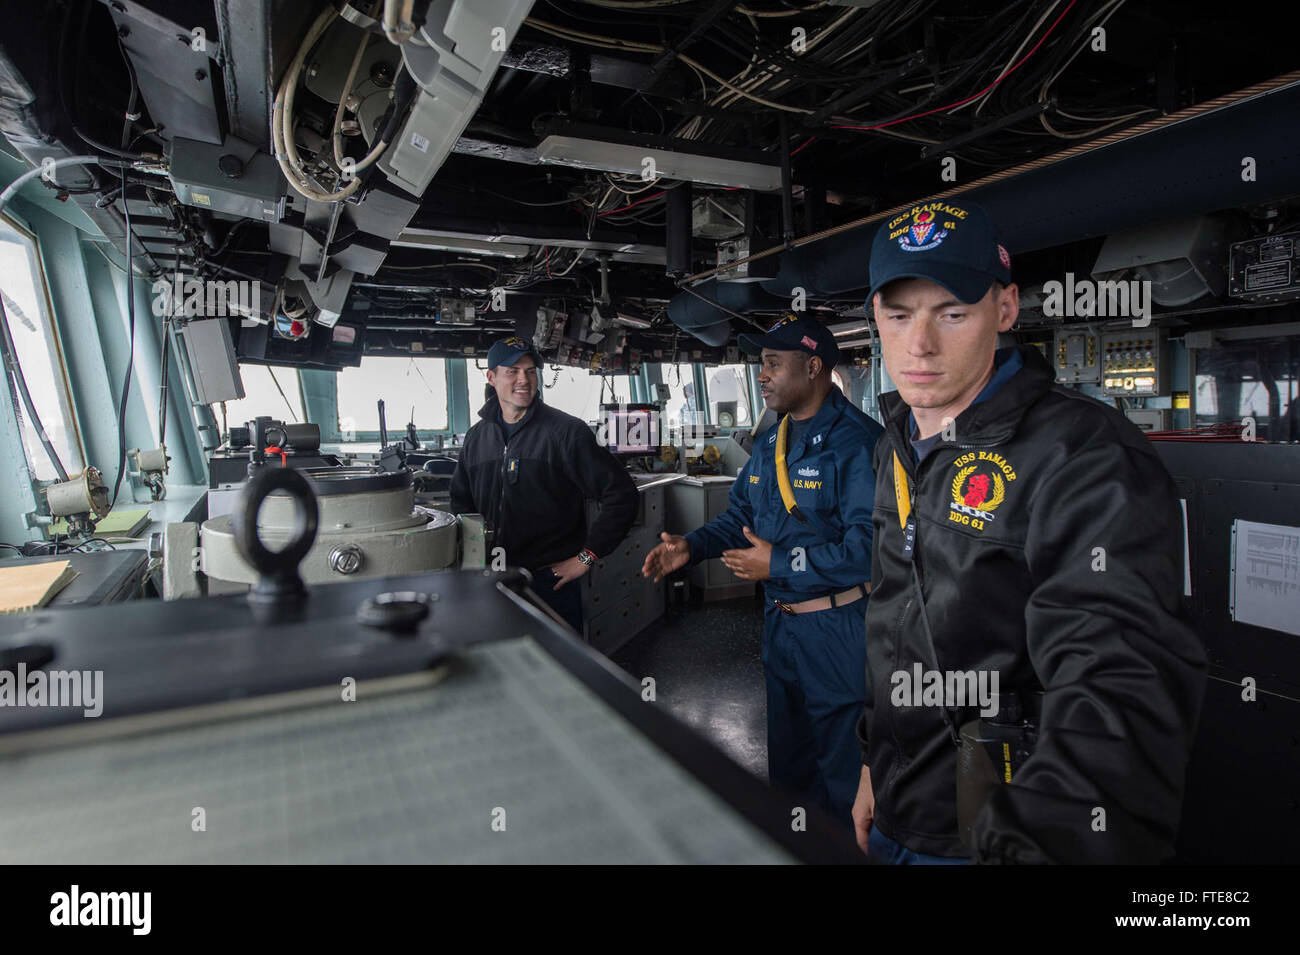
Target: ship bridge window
39	354
681	407
413	389
729	400
1257	379
268	392
475	385
581	394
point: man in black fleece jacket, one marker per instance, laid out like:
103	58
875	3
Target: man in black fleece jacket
528	469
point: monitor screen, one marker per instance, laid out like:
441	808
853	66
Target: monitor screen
629	428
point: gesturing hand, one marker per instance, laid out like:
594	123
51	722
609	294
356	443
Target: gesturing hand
672	554
750	563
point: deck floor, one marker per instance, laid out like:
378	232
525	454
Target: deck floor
708	671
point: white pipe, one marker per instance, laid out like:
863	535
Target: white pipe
31	174
397	20
337	136
289	85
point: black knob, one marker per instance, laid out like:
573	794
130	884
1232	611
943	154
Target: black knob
278	581
381	72
232	167
400	611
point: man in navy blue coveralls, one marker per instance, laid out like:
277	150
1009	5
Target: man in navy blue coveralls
815	564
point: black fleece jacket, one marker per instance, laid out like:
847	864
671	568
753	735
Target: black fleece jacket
532	491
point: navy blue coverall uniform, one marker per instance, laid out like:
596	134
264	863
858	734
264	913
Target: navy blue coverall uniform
814	663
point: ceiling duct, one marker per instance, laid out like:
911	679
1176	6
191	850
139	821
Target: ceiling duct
711	323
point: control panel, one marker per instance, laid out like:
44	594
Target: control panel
1134	363
1074	354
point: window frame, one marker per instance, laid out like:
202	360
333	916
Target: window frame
67	397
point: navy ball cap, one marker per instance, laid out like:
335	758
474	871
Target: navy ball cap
951	242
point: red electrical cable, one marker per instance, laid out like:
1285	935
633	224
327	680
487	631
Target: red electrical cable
807	143
1221	433
1010	70
632	205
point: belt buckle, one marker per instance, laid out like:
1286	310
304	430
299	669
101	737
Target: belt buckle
784	607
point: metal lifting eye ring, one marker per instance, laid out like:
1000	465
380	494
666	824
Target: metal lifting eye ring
284	563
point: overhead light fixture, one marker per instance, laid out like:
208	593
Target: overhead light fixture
515	246
668	164
444	242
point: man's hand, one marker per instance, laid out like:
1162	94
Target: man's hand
864	810
567	570
673	554
751	563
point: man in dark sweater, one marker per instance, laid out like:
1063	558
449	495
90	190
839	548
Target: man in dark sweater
528	469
